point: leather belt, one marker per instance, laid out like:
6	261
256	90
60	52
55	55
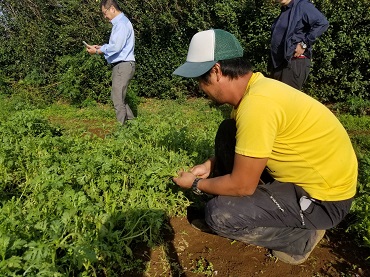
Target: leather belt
114	64
300	57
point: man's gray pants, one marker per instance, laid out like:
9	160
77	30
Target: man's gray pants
278	216
121	76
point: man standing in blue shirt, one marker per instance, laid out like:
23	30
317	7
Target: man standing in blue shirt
293	34
120	53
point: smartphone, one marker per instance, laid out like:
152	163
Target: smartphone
304	202
84	42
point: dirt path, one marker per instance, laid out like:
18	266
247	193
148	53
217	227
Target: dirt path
188	252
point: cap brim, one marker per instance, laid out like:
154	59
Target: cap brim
193	69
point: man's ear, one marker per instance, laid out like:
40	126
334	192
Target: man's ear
217	70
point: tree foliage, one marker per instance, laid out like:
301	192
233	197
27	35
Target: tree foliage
41	45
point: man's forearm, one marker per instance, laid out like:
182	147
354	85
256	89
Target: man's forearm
225	185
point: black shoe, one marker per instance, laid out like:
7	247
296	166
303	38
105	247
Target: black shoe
201	225
196	219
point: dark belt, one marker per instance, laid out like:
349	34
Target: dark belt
114	64
300	57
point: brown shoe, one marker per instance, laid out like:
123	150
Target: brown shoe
298	259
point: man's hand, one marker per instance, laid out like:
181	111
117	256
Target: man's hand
299	50
242	181
184	179
93	49
203	170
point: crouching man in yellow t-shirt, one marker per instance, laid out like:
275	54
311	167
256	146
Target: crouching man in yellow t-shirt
275	131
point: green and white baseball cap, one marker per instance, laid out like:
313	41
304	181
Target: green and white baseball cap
206	49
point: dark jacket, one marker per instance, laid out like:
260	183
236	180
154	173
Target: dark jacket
306	23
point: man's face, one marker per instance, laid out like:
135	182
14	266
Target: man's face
212	90
283	2
107	12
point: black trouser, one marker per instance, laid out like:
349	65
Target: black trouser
294	74
272	217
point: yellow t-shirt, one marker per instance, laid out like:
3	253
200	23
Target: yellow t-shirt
303	140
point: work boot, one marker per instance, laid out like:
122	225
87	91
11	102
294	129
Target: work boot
196	219
298	259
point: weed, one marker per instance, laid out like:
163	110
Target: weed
202	266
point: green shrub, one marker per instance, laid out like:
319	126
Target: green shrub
340	63
163	31
354	106
82	77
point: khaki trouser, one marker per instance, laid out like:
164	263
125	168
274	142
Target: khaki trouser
121	76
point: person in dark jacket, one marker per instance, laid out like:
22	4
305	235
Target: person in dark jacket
293	34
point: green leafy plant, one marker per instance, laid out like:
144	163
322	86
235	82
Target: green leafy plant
202	266
75	204
78	204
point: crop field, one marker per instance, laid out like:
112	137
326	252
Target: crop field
79	191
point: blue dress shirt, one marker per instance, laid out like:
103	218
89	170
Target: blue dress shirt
121	42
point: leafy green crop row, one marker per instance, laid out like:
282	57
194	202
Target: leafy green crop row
76	204
358	128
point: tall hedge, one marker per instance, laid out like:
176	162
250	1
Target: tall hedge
41	47
341	68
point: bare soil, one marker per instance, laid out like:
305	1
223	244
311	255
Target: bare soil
189	252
